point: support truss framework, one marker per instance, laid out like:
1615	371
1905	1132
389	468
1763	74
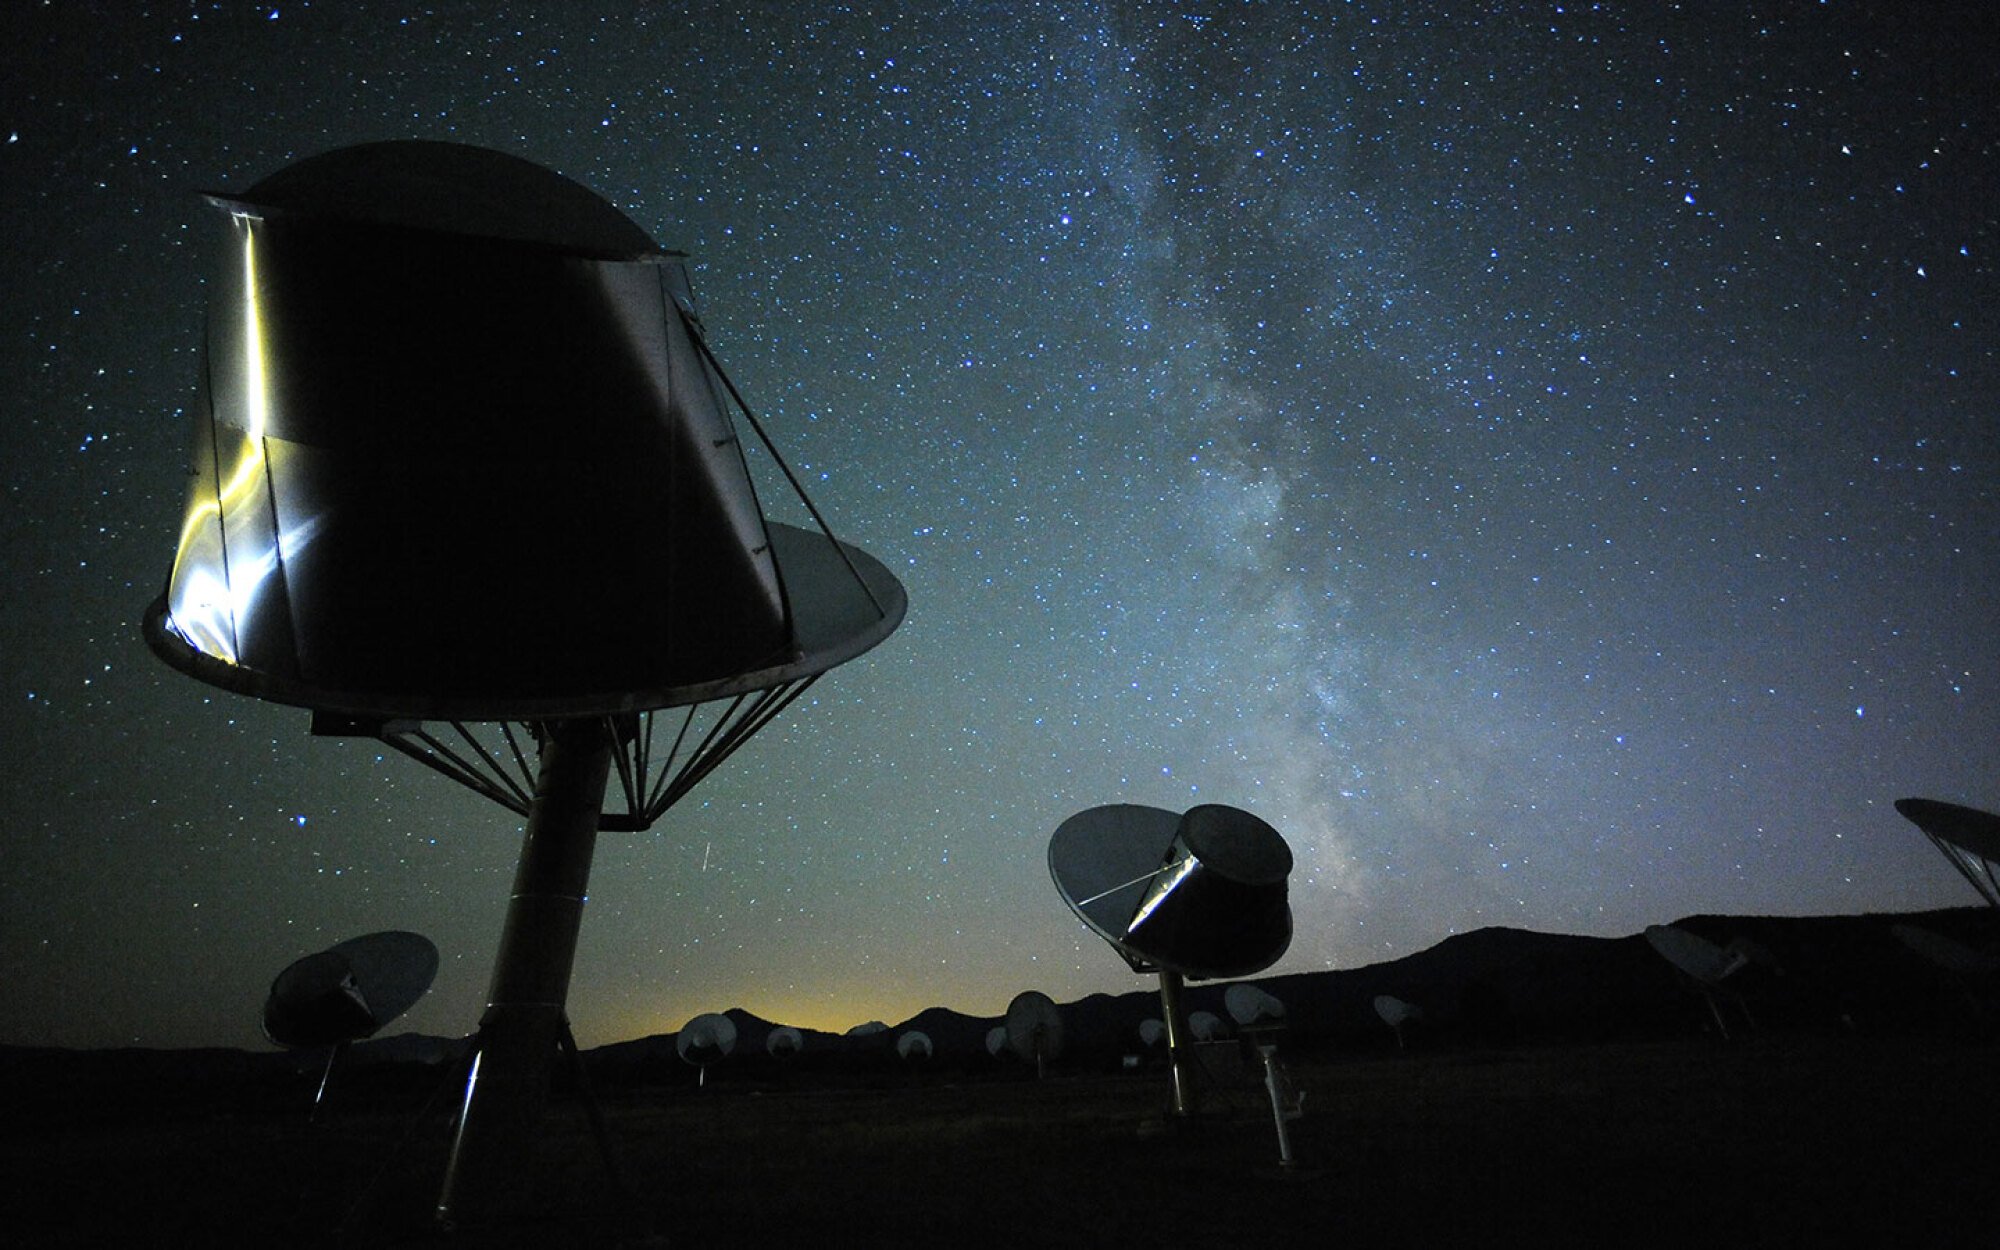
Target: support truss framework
659	755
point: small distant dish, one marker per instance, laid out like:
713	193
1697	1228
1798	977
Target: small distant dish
1207	1027
996	1041
1034	1027
706	1039
1967	837
914	1046
349	991
1252	1006
1695	955
1397	1014
1152	1031
1947	953
784	1042
1704	963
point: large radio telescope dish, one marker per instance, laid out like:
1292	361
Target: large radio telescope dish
350	991
463	455
1201	893
784	1042
440	382
1968	838
1195	895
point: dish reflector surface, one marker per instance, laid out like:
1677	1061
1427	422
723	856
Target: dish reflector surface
1251	1005
349	991
463	454
706	1039
1034	1026
1693	954
1202	893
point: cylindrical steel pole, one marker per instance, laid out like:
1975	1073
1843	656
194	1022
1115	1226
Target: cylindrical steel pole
1180	1043
521	1032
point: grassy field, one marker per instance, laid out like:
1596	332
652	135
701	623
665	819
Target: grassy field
1779	1140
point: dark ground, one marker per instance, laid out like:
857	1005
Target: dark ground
1789	1140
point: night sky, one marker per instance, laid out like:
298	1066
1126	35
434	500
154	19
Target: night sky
1539	457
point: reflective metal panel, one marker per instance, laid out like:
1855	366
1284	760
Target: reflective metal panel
1203	894
445	466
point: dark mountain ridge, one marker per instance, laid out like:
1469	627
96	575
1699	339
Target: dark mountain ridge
1492	986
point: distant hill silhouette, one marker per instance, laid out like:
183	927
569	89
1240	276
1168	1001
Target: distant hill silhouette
1490	987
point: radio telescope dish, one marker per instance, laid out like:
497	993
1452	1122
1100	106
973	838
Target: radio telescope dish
1201	893
1967	837
996	1041
784	1042
1252	1006
913	1046
463	454
1191	896
419	428
1034	1028
1704	963
1947	953
1207	1027
706	1039
1151	1032
1695	955
350	991
1397	1014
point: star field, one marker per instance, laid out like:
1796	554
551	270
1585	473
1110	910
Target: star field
1540	457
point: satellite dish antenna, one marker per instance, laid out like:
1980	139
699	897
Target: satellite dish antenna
914	1046
784	1042
1207	1027
348	992
1968	838
466	478
706	1040
1193	896
1151	1031
1704	963
1397	1014
1252	1006
1034	1029
1947	953
996	1041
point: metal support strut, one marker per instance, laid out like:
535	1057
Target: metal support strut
1180	1048
522	1031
